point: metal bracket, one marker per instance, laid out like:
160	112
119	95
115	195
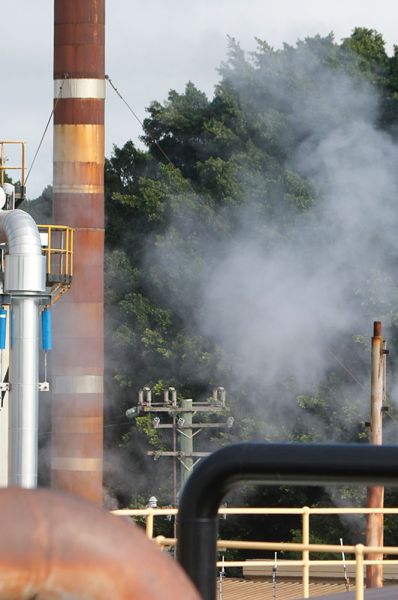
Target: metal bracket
4	387
43	386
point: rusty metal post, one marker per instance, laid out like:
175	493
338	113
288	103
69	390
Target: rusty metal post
78	357
375	522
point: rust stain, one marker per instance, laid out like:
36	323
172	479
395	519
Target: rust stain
79	143
87	57
76	11
78	424
79	173
68	406
72	34
83	210
377	329
79	111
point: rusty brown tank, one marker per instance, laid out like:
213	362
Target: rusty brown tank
78	356
57	546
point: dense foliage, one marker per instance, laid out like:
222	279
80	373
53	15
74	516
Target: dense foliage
230	168
212	169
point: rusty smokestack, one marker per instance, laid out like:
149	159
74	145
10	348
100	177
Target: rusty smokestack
78	358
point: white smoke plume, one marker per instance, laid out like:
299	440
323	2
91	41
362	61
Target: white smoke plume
284	299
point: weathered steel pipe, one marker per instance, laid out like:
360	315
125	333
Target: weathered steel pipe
54	545
24	279
78	355
375	522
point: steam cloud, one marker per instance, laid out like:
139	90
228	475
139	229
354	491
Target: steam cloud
282	299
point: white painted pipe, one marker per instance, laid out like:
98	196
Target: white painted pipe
25	281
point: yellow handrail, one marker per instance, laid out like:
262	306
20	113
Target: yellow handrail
60	244
4	167
359	550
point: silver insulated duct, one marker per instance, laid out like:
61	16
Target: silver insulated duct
25	282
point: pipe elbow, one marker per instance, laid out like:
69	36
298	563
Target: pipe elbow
60	546
25	267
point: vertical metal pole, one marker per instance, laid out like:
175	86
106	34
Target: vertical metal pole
174	460
359	572
346	578
274	571
375	523
149	524
4	413
221	585
186	442
23	170
78	356
175	475
306	554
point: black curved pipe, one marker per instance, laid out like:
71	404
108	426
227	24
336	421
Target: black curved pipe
303	464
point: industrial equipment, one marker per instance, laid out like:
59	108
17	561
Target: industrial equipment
35	270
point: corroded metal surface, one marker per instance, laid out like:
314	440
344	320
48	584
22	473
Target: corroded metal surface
84	110
79	38
79	202
375	522
57	546
85	210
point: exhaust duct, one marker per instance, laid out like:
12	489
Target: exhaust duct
25	282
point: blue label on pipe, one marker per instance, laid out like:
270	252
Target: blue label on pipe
46	330
3	328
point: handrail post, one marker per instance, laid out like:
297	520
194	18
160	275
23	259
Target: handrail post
306	555
149	523
359	548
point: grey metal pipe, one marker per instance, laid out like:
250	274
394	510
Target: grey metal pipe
24	280
24	395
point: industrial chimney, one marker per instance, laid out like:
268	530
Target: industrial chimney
78	179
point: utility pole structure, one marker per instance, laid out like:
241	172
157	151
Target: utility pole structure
186	442
375	522
182	426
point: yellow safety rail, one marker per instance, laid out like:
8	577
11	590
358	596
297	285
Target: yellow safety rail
5	167
57	245
358	550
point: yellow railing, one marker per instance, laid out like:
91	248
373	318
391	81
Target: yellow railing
6	167
358	550
57	245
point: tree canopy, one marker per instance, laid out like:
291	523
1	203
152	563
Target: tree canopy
251	243
240	169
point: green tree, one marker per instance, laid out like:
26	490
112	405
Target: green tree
171	211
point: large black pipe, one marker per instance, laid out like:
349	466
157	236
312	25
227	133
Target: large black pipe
287	464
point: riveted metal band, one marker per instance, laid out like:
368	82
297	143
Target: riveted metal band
79	88
77	189
76	464
78	384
